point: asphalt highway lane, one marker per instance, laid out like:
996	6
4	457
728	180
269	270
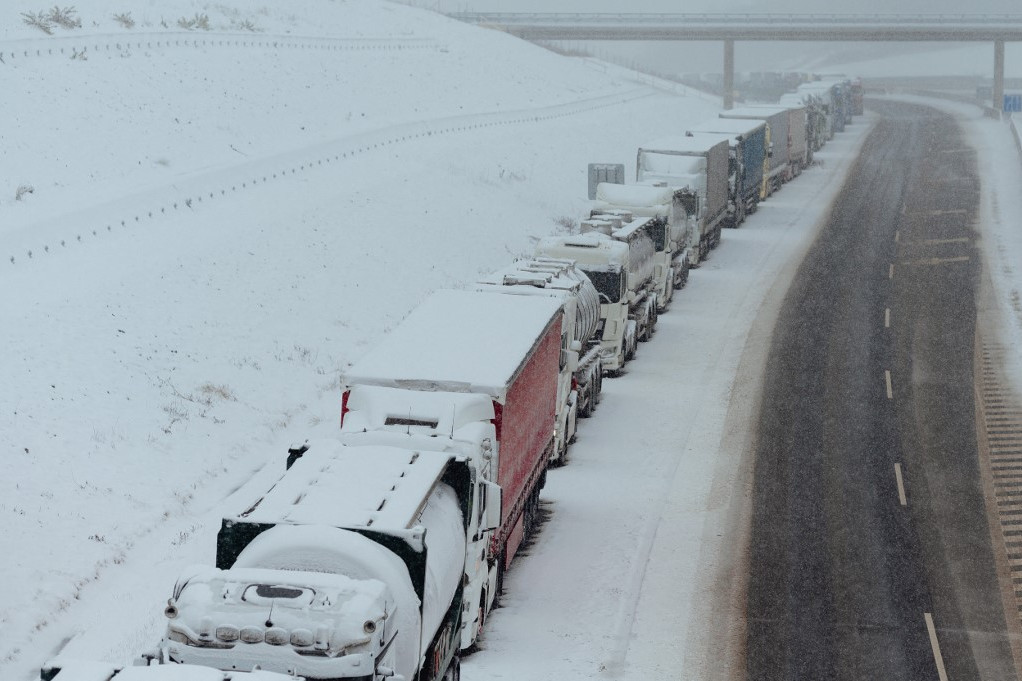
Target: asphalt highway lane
870	553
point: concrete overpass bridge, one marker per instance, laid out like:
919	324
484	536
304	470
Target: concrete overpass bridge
728	28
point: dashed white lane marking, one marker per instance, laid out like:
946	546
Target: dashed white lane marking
901	484
897	235
890	272
887	380
887	318
938	242
936	261
941	672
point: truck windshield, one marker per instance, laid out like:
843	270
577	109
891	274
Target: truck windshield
608	285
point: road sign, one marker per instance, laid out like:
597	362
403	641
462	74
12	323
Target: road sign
1012	103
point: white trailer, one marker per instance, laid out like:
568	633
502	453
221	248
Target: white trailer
581	369
815	120
351	566
698	167
620	265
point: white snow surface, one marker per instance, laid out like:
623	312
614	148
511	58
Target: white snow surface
213	225
639	195
459	341
342	486
730	126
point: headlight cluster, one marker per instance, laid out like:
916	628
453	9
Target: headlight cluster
275	636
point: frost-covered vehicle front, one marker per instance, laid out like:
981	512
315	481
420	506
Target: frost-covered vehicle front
323	625
350	566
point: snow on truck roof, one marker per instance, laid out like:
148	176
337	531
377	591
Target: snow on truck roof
594	251
681	144
632	229
333	484
732	126
760	111
459	341
634	194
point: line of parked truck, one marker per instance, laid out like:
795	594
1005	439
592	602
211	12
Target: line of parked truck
380	553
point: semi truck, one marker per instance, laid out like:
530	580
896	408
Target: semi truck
780	167
699	170
581	368
799	154
620	265
748	147
670	227
472	360
830	105
351	566
815	119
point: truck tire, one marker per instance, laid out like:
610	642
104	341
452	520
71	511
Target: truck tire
682	278
498	588
586	400
453	672
562	455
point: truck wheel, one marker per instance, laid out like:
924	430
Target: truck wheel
562	454
682	277
587	400
498	588
453	672
481	615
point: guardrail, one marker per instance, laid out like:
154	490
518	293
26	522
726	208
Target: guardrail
81	46
39	240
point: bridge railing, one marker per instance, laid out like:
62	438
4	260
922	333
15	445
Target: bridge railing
580	18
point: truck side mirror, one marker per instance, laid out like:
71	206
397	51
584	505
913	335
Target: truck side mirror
494	498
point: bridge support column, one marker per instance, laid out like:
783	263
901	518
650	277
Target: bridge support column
729	73
998	94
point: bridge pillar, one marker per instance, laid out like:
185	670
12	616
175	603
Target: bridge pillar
998	94
729	74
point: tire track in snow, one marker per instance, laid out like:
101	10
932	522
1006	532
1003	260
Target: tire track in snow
46	237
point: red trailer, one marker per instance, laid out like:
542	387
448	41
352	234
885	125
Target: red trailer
506	348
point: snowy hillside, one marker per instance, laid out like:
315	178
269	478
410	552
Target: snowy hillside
200	228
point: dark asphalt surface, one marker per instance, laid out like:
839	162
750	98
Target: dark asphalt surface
841	573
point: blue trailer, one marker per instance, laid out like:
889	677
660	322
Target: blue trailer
749	149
